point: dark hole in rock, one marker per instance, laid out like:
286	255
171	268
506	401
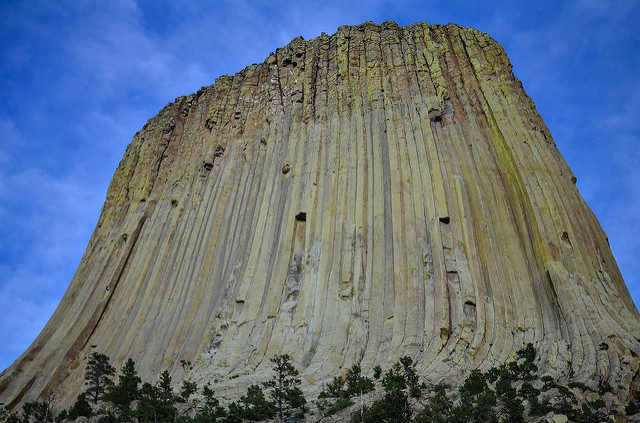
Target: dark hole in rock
301	217
174	202
469	308
448	107
219	151
124	237
444	219
604	346
435	115
565	237
208	166
574	180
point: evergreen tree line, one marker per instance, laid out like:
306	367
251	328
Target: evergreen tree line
511	393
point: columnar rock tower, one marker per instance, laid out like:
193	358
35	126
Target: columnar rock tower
380	192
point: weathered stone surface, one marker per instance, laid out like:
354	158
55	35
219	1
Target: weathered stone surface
380	192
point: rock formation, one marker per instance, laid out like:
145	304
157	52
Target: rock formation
380	192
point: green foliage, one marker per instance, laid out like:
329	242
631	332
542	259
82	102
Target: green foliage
254	406
6	415
98	376
80	408
477	399
209	410
438	408
12	418
356	383
335	389
35	411
334	397
398	383
411	377
510	393
187	389
123	393
393	407
284	389
159	403
604	386
166	398
524	367
62	416
501	395
339	393
633	406
377	372
148	403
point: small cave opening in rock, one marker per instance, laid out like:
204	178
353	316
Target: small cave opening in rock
448	107
444	219
469	309
301	217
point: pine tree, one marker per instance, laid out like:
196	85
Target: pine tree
81	408
98	376
148	404
285	391
339	393
187	389
166	398
253	406
122	394
209	409
394	405
39	411
356	383
411	377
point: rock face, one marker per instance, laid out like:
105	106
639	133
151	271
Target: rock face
380	192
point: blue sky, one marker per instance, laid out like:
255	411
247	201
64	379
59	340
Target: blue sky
78	79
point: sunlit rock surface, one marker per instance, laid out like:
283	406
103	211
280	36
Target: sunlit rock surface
380	192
